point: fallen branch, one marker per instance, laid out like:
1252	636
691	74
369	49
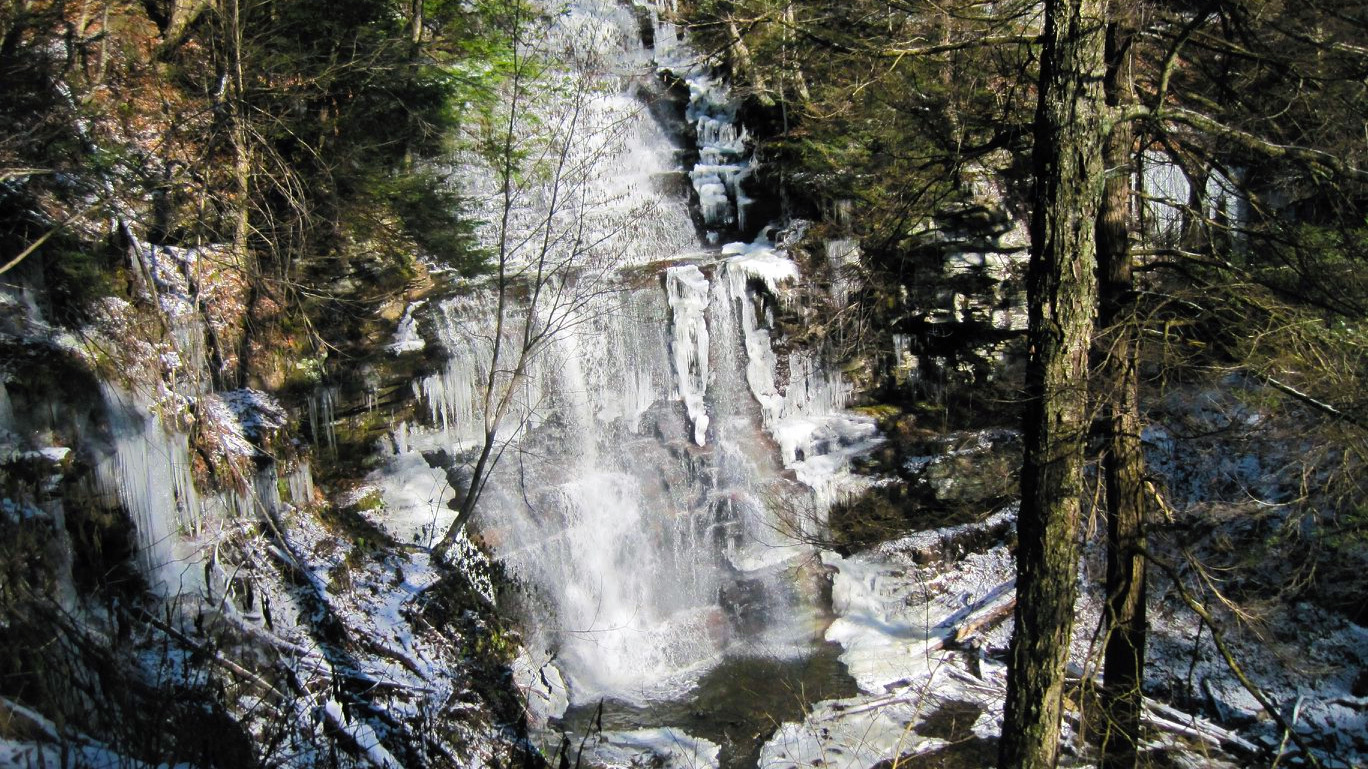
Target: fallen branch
1312	401
1218	638
1171	719
988	617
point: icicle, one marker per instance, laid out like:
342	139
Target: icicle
464	329
322	404
843	257
300	484
149	472
688	292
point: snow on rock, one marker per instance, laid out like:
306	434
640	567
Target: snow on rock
820	450
758	261
893	617
256	413
416	498
544	690
223	435
868	731
234	430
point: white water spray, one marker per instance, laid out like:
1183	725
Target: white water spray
645	491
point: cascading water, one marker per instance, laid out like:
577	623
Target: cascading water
645	491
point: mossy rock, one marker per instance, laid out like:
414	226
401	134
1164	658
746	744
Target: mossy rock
368	500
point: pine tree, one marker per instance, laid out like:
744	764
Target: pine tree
1062	294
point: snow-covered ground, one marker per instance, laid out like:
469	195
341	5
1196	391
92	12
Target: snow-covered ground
925	623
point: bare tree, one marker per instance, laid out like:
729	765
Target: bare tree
555	233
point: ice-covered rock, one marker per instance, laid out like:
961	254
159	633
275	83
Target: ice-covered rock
665	748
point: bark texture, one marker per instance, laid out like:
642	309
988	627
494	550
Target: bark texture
1062	292
1123	469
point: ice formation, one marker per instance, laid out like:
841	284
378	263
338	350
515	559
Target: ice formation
688	290
648	439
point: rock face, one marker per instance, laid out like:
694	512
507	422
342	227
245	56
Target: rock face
172	565
975	469
962	304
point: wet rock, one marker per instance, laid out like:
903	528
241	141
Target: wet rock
981	471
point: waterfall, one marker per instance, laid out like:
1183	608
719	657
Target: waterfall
662	465
641	489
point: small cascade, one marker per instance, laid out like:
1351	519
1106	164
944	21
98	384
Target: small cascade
406	337
801	401
723	157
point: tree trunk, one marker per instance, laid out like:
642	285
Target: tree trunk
1123	470
1062	287
415	24
744	65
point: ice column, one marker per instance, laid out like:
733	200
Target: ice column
843	255
688	290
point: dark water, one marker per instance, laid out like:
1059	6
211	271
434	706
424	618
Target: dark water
738	705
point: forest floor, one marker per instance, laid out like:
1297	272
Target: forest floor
925	620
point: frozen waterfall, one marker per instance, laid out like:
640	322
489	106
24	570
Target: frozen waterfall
662	465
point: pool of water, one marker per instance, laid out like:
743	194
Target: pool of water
737	705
